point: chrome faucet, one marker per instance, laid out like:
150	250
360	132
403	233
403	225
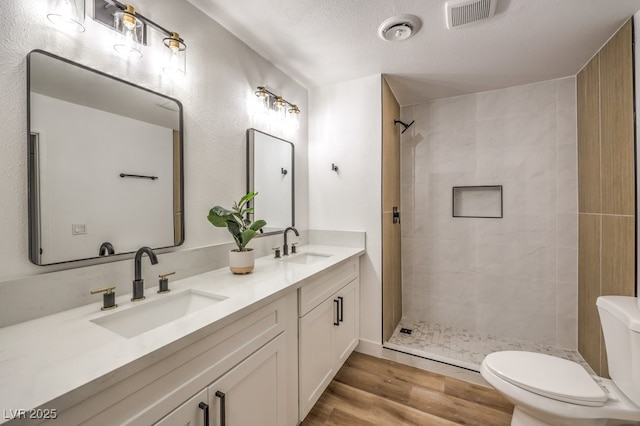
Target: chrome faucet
138	282
285	248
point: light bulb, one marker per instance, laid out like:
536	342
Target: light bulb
175	56
68	15
129	32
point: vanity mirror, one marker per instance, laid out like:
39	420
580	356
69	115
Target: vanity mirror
105	164
270	173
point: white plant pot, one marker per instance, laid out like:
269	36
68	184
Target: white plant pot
241	262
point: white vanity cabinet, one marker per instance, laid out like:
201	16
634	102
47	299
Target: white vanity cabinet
252	393
194	412
328	329
249	361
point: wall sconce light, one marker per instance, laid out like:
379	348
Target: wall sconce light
131	29
68	15
271	104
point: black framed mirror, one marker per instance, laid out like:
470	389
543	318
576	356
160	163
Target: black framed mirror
270	173
105	163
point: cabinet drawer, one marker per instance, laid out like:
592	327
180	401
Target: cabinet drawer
319	288
149	394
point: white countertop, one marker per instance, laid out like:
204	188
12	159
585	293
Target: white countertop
46	359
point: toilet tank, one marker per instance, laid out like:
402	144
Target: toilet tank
620	319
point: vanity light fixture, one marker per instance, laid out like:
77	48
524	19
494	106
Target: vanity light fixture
278	105
294	116
175	55
67	15
129	32
275	105
131	29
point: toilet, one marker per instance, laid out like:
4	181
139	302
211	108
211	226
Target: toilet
548	390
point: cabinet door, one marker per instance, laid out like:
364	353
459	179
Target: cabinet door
316	356
253	392
345	336
191	413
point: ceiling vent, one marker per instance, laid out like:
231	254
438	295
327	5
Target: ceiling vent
463	12
399	28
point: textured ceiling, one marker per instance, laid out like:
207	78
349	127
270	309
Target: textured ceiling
319	42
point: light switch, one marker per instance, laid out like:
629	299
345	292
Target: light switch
79	229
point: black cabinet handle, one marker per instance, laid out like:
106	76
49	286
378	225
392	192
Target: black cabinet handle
204	407
341	312
222	396
337	316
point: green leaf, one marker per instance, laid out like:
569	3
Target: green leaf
244	200
257	225
216	219
248	236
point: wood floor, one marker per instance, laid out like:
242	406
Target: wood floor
373	391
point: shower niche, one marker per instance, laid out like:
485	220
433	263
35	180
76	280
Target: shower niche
477	201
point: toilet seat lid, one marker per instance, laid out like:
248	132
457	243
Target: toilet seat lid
546	375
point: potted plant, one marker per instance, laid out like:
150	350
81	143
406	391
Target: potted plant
236	220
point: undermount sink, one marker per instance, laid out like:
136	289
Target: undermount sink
306	258
152	314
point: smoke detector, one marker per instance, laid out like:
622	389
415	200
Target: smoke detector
399	28
463	12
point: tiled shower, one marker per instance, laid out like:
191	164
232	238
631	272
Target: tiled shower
513	277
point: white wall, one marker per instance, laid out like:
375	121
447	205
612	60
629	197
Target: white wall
222	73
516	276
345	128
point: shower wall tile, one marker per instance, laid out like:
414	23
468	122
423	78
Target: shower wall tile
519	100
525	295
567	94
511	277
455	287
568	264
457	314
453	112
532	130
517	260
568	161
567	195
442	226
567	132
509	322
567	333
567	291
567	230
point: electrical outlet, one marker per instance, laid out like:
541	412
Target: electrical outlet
79	229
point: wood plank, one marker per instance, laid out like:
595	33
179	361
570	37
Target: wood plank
391	250
391	275
341	418
457	410
616	123
477	394
372	409
390	149
618	264
589	230
588	104
618	255
389	371
366	385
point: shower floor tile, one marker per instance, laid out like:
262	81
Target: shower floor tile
463	348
